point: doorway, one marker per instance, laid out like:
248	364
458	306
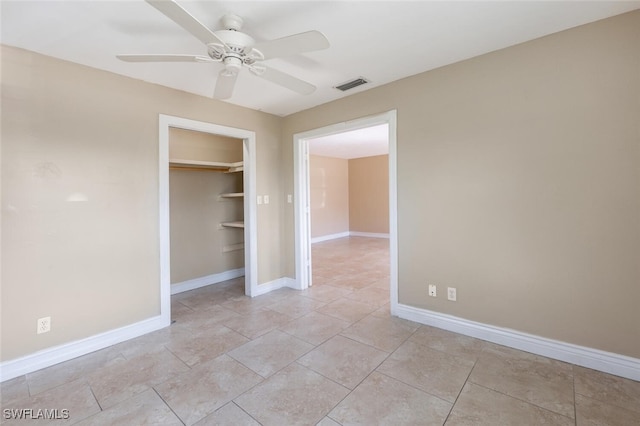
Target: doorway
166	122
303	197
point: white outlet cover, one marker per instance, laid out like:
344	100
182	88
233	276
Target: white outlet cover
432	290
259	200
43	325
289	198
452	294
266	199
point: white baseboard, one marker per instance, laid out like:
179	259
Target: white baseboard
367	234
54	355
607	362
329	237
276	284
348	234
205	281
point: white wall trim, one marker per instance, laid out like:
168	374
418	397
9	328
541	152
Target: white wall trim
347	234
206	280
57	354
330	237
607	362
368	234
275	285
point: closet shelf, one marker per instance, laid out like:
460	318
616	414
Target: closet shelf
175	163
235	169
232	195
239	224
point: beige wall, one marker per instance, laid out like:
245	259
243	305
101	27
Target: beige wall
349	195
191	145
197	243
80	196
329	195
196	210
369	194
518	183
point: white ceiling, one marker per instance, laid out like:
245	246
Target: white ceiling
380	40
365	142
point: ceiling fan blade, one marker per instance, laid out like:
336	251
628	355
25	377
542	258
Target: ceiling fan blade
164	58
293	44
225	84
288	81
176	13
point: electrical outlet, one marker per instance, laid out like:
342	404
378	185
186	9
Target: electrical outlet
43	325
432	290
289	198
451	294
266	199
259	200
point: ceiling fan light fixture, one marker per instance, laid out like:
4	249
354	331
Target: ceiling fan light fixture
232	65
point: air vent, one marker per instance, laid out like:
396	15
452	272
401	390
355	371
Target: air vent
352	83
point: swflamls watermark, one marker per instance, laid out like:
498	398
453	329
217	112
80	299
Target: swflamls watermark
35	414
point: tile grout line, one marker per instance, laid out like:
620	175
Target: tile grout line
95	397
575	402
412	386
169	406
520	399
613	404
333	380
461	389
239	407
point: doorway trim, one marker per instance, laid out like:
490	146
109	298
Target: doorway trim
302	211
249	183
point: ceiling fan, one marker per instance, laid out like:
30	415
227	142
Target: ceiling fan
235	50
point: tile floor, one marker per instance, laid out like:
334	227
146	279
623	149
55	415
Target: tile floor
330	355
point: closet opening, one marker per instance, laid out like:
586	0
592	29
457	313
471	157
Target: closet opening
207	217
206	209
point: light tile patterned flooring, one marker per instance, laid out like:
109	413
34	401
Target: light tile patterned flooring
330	355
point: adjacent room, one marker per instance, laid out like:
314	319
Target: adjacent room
349	209
181	243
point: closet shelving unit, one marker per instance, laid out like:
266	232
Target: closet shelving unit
178	164
232	195
175	163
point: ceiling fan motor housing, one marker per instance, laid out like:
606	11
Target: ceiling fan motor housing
236	41
236	45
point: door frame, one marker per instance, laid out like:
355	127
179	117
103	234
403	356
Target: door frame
249	183
302	211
